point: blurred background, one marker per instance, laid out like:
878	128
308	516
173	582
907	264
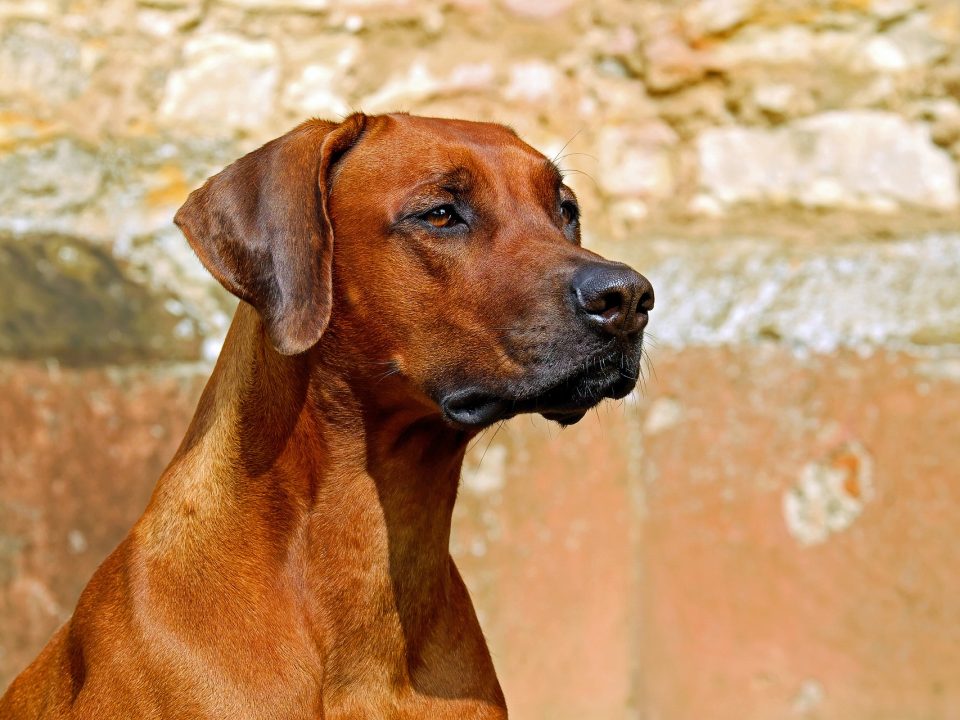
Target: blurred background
768	530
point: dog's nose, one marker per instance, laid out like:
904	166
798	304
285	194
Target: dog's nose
613	298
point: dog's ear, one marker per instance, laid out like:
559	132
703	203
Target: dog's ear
261	228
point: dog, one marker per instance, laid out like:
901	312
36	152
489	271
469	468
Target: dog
405	283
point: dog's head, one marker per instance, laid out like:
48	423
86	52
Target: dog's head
445	253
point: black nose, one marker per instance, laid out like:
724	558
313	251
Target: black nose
612	297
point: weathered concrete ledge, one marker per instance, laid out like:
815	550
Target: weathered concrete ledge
813	297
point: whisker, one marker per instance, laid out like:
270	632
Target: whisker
560	151
572	154
580	172
495	432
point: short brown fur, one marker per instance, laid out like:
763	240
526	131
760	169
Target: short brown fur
294	559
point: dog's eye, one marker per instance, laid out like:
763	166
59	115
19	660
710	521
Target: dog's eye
442	217
569	211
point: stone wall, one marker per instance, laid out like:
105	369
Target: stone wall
765	532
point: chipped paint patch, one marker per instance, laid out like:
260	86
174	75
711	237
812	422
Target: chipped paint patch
77	542
830	494
808	698
664	414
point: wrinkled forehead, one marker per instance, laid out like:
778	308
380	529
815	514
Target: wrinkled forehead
406	150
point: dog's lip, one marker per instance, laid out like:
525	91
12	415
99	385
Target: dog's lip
471	407
565	417
475	407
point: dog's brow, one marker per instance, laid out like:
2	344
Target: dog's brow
453	180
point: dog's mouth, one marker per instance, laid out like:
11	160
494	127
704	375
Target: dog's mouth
564	401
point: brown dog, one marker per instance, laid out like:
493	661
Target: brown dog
407	281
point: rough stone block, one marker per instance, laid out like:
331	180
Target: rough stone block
911	44
532	81
706	17
314	93
538	9
38	61
670	61
280	6
36	184
226	80
857	159
636	160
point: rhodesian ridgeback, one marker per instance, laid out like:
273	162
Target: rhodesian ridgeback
406	282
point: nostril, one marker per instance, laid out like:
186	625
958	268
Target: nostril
645	303
609	305
603	304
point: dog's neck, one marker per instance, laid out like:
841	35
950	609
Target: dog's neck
348	488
